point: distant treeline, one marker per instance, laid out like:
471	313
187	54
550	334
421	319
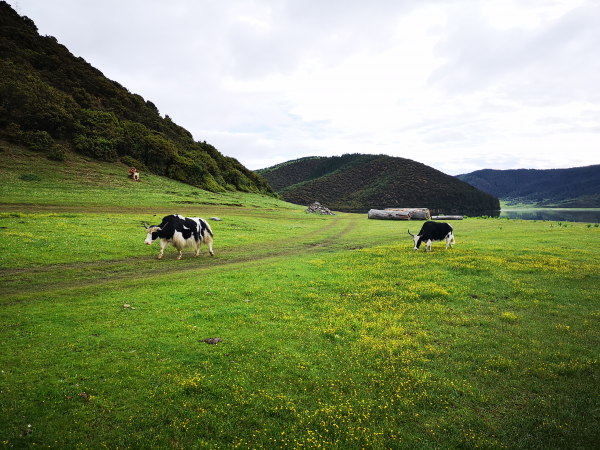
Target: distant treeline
361	182
53	102
578	187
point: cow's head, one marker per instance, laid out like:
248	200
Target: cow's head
417	239
152	233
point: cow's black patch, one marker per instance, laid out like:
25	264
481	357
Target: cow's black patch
187	233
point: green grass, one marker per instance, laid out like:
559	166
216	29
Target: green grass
336	334
29	178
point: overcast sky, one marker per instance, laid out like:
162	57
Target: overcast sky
459	85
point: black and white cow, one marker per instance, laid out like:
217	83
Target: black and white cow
180	232
434	231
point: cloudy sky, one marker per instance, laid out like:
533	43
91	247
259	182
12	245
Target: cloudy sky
459	85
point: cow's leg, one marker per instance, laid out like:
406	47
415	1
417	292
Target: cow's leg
197	249
163	245
208	241
428	246
179	255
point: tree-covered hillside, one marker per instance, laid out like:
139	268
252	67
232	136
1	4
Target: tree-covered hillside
54	102
301	170
578	187
361	182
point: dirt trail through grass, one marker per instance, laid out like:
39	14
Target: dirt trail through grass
18	283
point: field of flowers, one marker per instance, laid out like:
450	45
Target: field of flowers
335	334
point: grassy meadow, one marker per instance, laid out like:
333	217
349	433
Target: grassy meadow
335	333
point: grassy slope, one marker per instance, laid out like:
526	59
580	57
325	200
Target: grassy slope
85	182
335	333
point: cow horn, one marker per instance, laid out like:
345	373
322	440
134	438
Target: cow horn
160	229
145	225
410	233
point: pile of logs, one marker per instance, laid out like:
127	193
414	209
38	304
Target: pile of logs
317	208
400	214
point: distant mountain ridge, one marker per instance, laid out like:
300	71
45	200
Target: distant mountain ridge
577	187
358	182
55	103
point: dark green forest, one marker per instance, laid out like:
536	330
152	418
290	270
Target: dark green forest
577	187
56	103
357	182
300	170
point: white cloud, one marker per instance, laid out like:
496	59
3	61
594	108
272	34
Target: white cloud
455	84
526	14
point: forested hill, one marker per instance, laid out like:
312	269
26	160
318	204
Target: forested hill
360	182
56	103
578	187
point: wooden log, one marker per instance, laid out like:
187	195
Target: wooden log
388	215
421	214
447	218
414	213
399	214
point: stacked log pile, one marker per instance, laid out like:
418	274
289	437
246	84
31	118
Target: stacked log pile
317	208
400	214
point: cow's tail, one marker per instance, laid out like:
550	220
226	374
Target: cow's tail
209	231
205	226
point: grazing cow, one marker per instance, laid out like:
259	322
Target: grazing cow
180	232
434	231
133	174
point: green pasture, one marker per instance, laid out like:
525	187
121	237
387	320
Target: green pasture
335	333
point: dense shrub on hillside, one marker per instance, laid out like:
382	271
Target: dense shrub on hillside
38	141
47	94
32	103
132	162
57	153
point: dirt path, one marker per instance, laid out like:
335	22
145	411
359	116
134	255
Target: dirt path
18	283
